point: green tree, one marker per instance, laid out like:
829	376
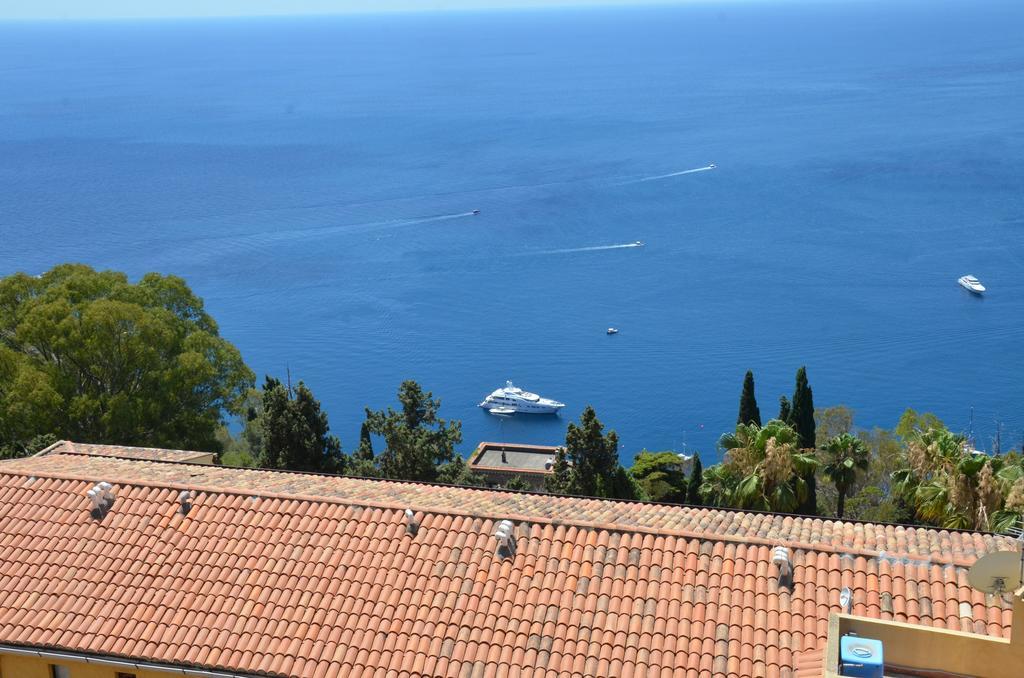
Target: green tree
912	423
458	472
235	451
365	450
785	409
845	457
749	412
295	431
801	418
594	456
950	487
517	484
871	497
621	485
660	476
831	422
560	480
87	355
773	470
719	485
28	447
417	442
695	482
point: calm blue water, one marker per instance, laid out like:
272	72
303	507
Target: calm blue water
311	179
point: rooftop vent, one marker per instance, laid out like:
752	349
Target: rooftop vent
411	526
101	496
185	498
780	557
506	538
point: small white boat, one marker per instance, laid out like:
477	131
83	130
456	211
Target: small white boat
971	284
712	166
476	211
638	243
612	330
503	411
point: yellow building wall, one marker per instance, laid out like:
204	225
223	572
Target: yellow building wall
21	666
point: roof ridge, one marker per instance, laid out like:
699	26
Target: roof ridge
700	535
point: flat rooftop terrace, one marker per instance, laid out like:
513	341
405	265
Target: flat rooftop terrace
513	456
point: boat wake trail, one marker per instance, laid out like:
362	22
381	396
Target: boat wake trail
265	238
441	217
657	177
598	248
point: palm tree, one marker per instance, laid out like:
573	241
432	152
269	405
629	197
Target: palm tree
951	487
846	455
771	467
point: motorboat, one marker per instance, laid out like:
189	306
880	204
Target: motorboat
712	166
515	399
476	211
612	330
638	243
971	284
502	411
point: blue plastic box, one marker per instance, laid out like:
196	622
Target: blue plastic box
860	657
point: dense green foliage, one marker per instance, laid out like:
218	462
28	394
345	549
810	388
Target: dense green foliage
950	486
589	463
801	418
844	457
694	483
517	483
660	475
749	412
89	356
418	444
295	431
365	450
772	468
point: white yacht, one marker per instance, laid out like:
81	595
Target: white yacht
971	284
516	399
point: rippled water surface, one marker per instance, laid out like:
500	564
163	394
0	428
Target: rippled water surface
314	181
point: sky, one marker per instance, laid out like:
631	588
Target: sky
154	9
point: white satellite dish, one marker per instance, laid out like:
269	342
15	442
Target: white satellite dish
998	572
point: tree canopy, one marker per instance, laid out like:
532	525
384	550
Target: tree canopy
295	431
588	465
660	475
845	457
90	356
417	441
749	412
770	467
801	418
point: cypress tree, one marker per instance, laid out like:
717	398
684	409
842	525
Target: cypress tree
802	413
295	432
749	412
594	455
365	449
784	409
696	479
802	420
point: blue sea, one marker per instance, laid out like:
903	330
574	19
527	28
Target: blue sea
313	179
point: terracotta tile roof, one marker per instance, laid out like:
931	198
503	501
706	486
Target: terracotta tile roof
151	453
296	574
